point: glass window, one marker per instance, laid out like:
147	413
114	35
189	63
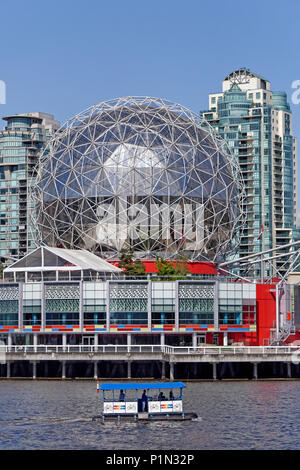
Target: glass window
62	304
129	303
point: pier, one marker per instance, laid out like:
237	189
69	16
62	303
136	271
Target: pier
154	361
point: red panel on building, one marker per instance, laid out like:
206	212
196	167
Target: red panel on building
265	312
195	267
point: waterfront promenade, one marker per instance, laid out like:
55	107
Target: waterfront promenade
169	357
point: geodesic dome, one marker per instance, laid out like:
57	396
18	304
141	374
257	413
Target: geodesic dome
142	174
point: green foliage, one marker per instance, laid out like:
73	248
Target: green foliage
182	267
169	270
164	267
166	270
131	267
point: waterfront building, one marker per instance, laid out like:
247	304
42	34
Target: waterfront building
21	143
257	124
62	296
149	176
51	291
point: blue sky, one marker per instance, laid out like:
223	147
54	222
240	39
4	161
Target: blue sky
62	56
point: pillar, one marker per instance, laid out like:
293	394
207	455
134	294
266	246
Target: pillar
35	342
81	314
129	369
128	342
289	370
46	369
171	370
194	340
95	370
162	339
96	342
9	340
34	370
214	364
8	369
163	370
255	370
63	370
64	341
225	338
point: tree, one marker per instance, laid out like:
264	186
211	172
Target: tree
172	269
131	267
182	266
164	267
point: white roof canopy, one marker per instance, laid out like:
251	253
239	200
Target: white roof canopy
46	258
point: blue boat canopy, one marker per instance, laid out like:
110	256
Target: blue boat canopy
141	386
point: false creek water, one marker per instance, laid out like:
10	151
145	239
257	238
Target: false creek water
56	415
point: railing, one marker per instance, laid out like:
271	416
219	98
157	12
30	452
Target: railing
127	349
284	332
81	349
235	350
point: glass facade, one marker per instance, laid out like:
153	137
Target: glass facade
9	305
196	303
237	303
94	303
21	142
163	303
62	304
32	304
257	124
128	303
118	306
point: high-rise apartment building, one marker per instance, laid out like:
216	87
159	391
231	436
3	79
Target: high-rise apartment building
21	142
257	124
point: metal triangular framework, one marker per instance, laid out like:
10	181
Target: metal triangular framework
139	173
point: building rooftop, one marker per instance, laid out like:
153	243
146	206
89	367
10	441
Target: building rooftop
35	115
61	259
244	72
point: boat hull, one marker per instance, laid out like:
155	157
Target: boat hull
149	417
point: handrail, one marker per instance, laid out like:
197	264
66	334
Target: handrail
148	348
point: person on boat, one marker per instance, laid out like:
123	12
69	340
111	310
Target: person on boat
122	396
144	400
161	396
171	396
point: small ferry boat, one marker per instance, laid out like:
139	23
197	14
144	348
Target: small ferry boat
144	401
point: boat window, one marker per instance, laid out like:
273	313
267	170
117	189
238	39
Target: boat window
130	395
109	395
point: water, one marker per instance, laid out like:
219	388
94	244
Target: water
233	415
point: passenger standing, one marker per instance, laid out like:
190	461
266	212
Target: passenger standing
144	401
